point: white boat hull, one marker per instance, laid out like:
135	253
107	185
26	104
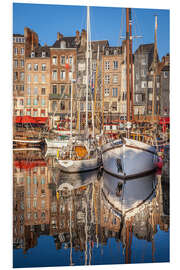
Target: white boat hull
128	159
56	143
134	192
73	166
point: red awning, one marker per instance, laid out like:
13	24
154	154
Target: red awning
164	120
27	119
26	165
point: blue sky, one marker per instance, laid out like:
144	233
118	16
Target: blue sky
106	23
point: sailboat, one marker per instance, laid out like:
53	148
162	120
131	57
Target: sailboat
128	158
81	154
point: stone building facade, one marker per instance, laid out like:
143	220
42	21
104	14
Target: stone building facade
37	82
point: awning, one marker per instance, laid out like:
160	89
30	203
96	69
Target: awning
164	120
26	165
27	119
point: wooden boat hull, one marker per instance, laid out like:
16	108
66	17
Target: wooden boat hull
129	158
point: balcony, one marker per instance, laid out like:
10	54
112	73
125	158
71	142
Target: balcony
58	96
55	96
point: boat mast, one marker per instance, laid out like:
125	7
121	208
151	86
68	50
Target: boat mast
87	67
127	63
154	69
131	60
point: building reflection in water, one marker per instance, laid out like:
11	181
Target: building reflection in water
82	211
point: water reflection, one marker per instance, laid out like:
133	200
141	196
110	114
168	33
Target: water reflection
84	212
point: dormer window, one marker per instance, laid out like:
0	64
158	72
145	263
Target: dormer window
43	54
115	52
32	54
107	52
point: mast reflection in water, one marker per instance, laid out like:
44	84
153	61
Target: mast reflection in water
84	219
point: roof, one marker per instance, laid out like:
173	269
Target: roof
70	42
39	50
101	43
146	48
18	35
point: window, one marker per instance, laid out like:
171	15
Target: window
29	78
62	74
54	60
29	67
43	77
107	79
165	74
43	54
35	102
22	63
106	106
28	112
35	90
35	67
114	106
43	102
107	65
106	92
43	67
115	64
54	89
115	78
43	91
62	60
124	96
21	102
29	90
35	114
15	51
43	204
15	75
15	63
62	89
70	60
115	91
54	75
28	101
22	87
21	113
70	75
35	203
62	105
22	51
43	113
54	106
143	73
32	54
35	180
143	84
21	76
150	96
35	78
81	106
150	84
158	84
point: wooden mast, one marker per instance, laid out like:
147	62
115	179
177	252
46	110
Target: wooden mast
127	63
87	67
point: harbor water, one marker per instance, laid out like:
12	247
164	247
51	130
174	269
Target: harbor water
91	218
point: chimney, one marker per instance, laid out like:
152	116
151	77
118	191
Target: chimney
59	36
77	34
83	38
